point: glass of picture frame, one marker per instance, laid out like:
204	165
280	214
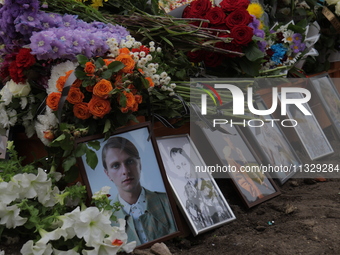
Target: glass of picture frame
227	149
272	145
129	163
197	193
307	128
329	96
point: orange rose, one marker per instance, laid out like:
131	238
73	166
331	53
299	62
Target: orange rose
89	88
138	99
151	83
134	108
124	109
62	80
75	96
77	83
107	61
99	107
130	99
127	60
124	51
68	73
81	111
89	68
52	100
118	79
60	83
132	88
102	88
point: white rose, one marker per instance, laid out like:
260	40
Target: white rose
330	2
18	89
337	9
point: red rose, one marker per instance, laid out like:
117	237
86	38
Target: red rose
195	56
238	17
199	8
25	58
232	5
16	73
213	59
216	16
242	35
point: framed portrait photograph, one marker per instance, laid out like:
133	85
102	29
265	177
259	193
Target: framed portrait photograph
329	97
307	128
235	160
197	193
272	144
129	163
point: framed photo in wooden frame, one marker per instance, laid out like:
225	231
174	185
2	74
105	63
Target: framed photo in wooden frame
330	99
273	146
307	128
235	159
129	163
197	193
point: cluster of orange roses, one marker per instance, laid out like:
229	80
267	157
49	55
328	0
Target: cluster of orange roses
94	98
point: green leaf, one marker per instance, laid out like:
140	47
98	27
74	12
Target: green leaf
80	150
72	174
58	139
107	126
82	59
122	100
107	74
91	158
115	66
69	162
166	40
99	63
94	144
253	53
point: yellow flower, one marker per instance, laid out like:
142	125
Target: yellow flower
255	9
97	3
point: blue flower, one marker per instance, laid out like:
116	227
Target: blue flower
279	52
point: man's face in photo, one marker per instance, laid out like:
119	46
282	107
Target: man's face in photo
124	170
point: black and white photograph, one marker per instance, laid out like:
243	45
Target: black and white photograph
196	191
128	164
329	97
273	145
306	127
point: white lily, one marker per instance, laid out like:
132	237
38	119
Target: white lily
9	216
38	249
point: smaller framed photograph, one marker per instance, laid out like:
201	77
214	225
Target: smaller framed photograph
329	97
3	145
129	163
197	193
236	160
307	128
273	145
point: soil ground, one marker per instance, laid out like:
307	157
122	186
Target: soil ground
306	220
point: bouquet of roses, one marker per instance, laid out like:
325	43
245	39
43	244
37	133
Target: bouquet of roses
238	24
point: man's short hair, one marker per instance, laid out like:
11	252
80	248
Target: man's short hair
121	143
